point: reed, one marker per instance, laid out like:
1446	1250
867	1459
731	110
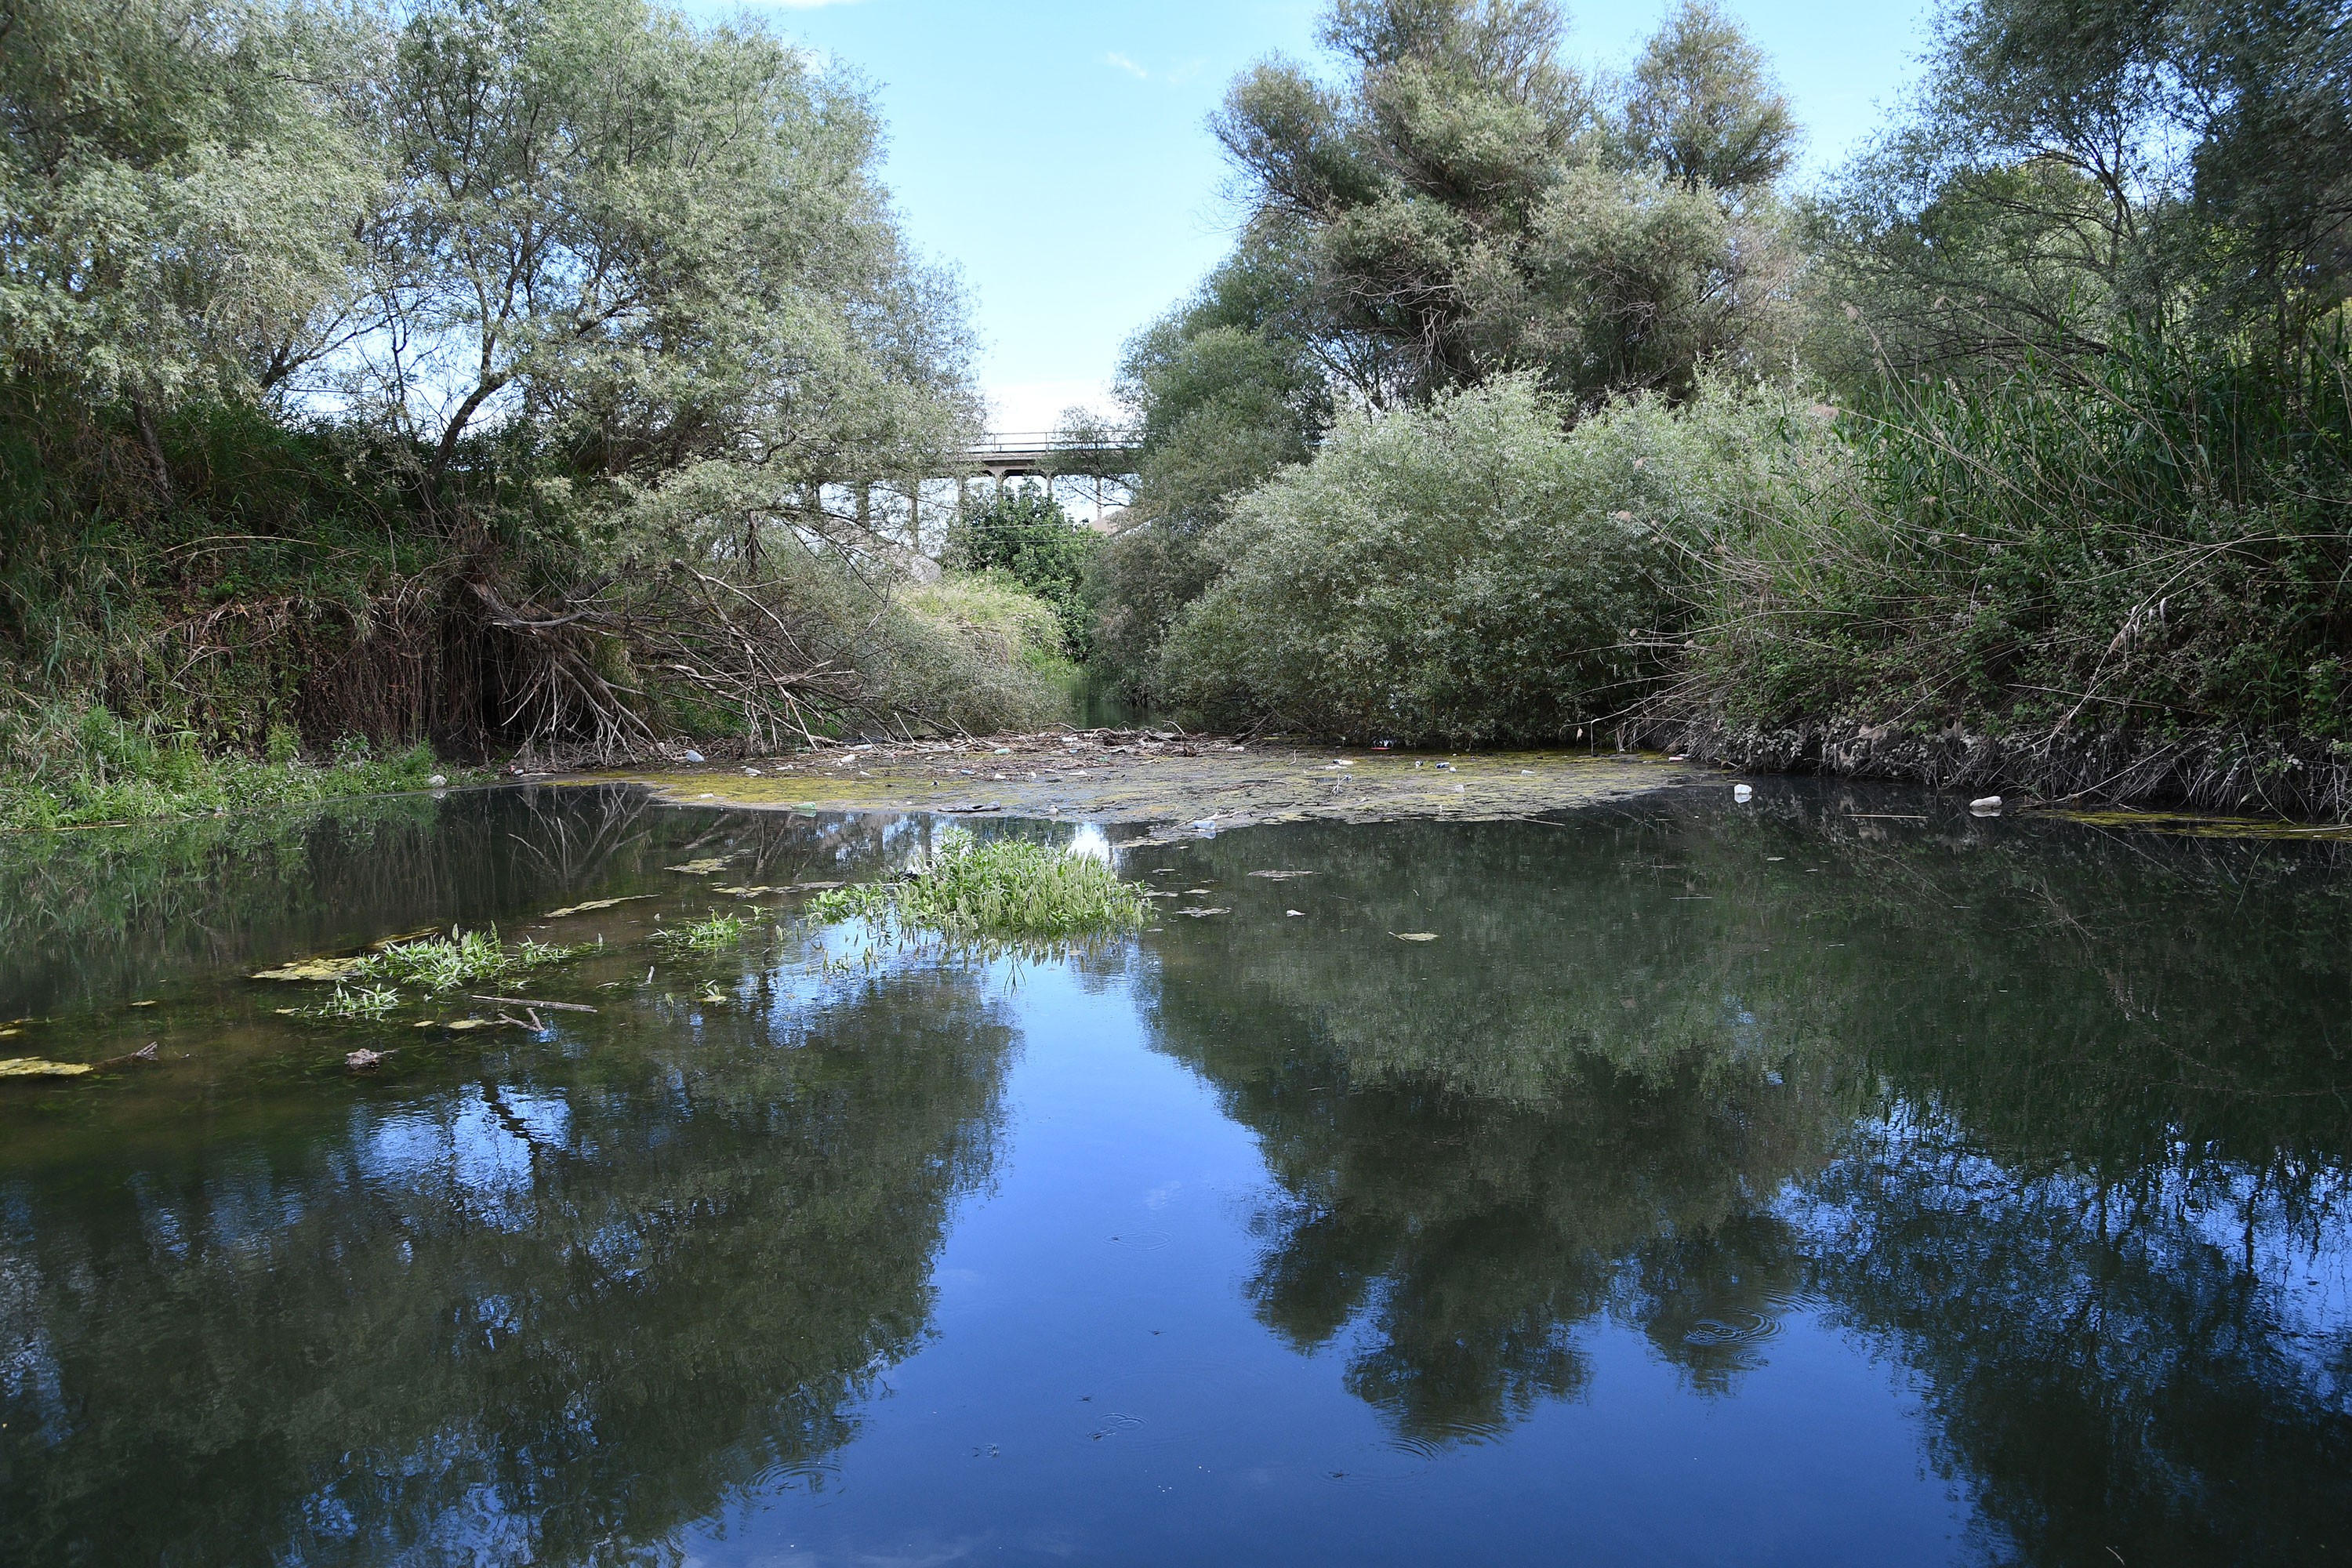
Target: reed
2155	545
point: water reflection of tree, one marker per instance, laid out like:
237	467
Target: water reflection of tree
1649	1071
99	916
551	1316
1481	1145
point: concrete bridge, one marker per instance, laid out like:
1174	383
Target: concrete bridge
1101	467
1040	454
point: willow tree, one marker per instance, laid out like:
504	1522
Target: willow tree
1469	205
2078	176
514	299
178	187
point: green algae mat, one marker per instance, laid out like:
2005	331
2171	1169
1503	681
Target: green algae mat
1180	783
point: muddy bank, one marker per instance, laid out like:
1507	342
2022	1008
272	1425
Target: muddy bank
1172	783
2308	780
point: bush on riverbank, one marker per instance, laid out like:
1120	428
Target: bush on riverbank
1467	573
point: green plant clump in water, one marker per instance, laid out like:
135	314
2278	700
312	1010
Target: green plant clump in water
1009	890
367	1002
710	934
461	958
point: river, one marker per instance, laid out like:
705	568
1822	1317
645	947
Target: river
1835	1178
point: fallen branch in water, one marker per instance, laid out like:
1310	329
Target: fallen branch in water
526	1002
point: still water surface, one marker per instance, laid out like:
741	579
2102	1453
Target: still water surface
1799	1183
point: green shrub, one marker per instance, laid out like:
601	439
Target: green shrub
63	769
1465	572
1028	537
976	651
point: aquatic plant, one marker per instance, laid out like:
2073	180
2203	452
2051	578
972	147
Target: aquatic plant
461	958
1012	889
367	1002
712	933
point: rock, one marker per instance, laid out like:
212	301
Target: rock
1986	805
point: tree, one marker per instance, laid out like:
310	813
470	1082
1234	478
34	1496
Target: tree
652	244
1465	206
2079	171
1027	536
1425	168
1701	105
1219	394
178	188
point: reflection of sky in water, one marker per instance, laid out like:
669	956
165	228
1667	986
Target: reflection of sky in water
464	1149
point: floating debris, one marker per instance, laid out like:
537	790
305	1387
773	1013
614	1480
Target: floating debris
314	970
367	1061
1201	914
702	868
1415	935
1985	805
1281	876
595	904
34	1067
526	1002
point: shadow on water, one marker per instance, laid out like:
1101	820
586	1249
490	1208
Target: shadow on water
2054	1121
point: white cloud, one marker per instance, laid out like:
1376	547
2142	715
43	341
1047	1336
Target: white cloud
1121	62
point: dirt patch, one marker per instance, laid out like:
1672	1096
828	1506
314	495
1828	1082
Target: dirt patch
1176	782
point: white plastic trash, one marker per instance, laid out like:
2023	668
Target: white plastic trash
1986	805
1742	794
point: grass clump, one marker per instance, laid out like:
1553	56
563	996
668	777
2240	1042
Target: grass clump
461	958
1012	889
713	933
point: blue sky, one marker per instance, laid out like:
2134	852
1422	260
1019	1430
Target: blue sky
1054	151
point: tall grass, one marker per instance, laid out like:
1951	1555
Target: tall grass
2156	545
64	768
1010	889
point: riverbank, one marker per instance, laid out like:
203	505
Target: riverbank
144	782
1178	783
2303	781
